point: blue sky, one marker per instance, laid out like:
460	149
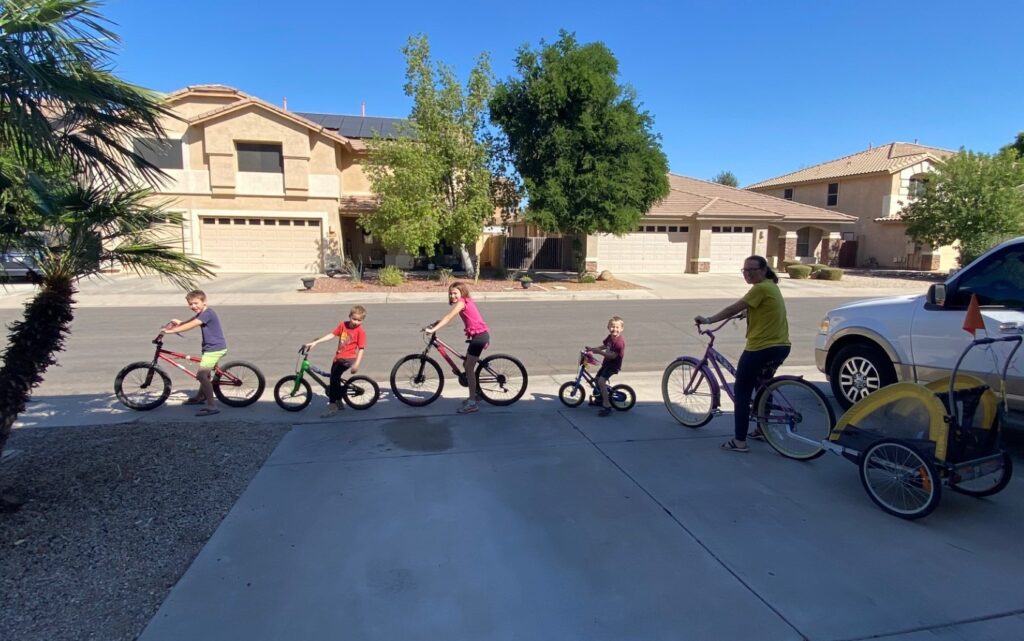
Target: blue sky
758	88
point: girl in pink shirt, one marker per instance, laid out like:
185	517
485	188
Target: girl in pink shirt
476	335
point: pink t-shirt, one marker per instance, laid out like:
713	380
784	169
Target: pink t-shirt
472	319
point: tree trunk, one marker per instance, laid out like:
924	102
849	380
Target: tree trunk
33	343
467	261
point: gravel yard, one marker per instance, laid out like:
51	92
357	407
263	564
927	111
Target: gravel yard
113	517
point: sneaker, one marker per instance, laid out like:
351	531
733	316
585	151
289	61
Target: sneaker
331	410
468	407
605	411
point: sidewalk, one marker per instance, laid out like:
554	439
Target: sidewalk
123	290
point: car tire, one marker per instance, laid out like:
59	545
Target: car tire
858	370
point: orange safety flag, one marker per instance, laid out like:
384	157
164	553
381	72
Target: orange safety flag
973	321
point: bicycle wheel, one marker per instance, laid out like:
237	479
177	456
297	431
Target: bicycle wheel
571	394
238	383
360	392
794	417
690	394
142	386
293	397
899	480
623	397
500	379
990	483
417	380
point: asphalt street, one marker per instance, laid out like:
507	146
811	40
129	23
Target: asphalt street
544	335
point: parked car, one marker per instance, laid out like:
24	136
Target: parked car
869	344
17	265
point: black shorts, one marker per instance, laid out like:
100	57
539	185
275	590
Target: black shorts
477	344
607	372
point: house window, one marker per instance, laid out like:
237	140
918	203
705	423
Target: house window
787	193
160	152
673	229
662	228
833	195
260	157
803	241
918	184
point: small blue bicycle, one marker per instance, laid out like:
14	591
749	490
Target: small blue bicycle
573	393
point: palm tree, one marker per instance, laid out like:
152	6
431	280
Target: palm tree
87	227
69	172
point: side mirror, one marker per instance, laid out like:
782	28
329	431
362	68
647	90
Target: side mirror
937	294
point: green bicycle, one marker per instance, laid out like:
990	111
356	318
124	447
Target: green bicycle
294	393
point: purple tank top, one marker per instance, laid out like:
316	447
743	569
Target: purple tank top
472	319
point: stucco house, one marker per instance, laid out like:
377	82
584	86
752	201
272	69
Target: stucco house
261	188
873	185
707	227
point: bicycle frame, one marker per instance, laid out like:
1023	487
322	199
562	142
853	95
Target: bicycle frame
446	351
172	357
583	374
314	372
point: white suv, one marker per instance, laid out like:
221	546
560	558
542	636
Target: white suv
868	344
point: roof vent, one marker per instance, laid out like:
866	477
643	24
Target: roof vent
362	109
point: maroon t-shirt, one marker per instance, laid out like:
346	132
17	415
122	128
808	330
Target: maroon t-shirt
618	345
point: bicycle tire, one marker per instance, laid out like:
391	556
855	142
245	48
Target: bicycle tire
623	398
246	391
899	479
416	373
501	379
694	408
786	403
571	394
292	398
990	483
132	379
360	392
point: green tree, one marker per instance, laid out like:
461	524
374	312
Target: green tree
726	178
1017	145
433	183
585	151
974	199
66	176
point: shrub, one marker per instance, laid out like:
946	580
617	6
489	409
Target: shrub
799	271
587	278
391	276
444	276
817	267
790	261
829	273
525	278
354	270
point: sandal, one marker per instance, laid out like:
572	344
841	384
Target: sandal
208	411
731	446
756	435
193	401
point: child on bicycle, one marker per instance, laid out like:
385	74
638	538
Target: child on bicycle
613	348
214	347
351	344
477	336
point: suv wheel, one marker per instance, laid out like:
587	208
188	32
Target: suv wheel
858	370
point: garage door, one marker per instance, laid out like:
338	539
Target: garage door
730	246
283	245
659	249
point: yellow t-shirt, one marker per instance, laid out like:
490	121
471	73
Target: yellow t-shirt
766	319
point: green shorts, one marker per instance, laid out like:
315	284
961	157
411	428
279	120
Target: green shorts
210	359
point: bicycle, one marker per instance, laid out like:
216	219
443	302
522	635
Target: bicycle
572	393
791	414
500	379
236	383
293	393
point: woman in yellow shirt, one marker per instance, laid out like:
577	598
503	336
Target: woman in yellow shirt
767	341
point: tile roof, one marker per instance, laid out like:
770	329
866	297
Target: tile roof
708	200
890	158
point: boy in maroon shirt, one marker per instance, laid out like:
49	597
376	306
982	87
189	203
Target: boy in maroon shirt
351	345
613	348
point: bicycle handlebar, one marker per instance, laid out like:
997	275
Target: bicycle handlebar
718	326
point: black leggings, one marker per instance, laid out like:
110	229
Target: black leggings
753	369
337	370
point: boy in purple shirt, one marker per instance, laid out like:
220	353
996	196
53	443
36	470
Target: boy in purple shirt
613	348
214	347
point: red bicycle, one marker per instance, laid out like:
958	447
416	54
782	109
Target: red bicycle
144	386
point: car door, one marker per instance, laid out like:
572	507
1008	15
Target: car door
937	334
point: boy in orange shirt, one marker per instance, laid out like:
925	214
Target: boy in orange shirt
351	345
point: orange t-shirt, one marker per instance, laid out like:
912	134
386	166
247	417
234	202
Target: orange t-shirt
350	341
